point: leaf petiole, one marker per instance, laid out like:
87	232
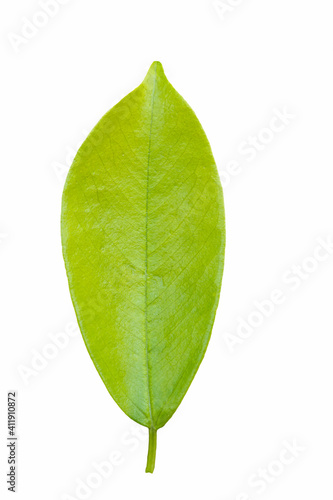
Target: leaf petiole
151	450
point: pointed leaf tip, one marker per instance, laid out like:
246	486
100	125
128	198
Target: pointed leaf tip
156	68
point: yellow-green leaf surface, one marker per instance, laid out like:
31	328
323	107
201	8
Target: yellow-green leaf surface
143	239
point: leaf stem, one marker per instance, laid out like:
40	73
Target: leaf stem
151	450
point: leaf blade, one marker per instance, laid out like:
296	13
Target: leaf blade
142	229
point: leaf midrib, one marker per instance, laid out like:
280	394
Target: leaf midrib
146	253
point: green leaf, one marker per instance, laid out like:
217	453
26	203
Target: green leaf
143	239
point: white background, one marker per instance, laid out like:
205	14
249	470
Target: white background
235	69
